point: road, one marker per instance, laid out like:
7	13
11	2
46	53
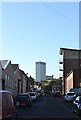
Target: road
47	107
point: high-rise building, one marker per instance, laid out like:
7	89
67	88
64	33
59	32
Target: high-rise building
40	71
80	25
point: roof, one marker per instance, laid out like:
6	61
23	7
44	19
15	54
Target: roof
15	66
40	62
4	63
63	49
22	72
70	92
4	91
22	94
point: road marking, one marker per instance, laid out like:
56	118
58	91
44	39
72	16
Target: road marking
69	111
63	105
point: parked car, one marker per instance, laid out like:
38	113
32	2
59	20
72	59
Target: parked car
76	90
56	93
33	96
7	108
23	99
77	106
70	96
37	93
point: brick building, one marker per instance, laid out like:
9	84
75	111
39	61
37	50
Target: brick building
71	61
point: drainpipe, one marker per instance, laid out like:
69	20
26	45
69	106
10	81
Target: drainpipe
79	66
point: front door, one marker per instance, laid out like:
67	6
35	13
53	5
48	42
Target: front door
3	84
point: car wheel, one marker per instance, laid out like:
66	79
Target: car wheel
17	104
30	105
77	113
73	111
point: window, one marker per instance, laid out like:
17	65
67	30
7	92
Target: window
6	79
9	82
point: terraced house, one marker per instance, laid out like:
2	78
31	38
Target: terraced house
0	76
13	79
8	78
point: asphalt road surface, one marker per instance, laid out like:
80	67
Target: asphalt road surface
47	107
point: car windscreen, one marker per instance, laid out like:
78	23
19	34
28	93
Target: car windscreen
80	100
71	94
31	94
22	97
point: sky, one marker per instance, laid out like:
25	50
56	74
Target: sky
35	31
